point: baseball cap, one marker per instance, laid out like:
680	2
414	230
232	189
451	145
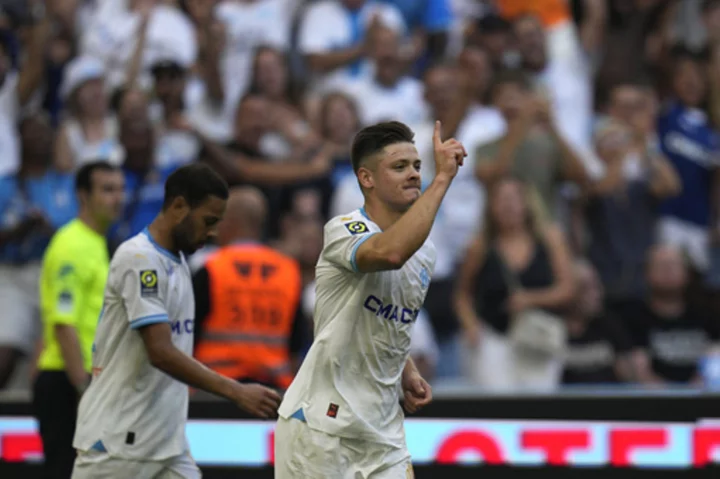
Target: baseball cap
79	71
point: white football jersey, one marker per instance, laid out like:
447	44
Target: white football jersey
131	409
349	383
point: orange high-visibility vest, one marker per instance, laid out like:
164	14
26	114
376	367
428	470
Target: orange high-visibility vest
550	12
254	296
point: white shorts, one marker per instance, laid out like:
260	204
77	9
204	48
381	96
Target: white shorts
304	453
692	239
19	298
97	465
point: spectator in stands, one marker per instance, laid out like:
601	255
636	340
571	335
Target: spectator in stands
335	55
429	23
339	122
688	140
176	145
670	336
565	81
271	79
494	35
599	347
17	86
387	94
144	179
33	203
534	149
90	132
230	33
116	28
72	287
620	211
514	247
475	63
247	300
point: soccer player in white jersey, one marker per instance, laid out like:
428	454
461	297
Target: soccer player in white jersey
131	419
341	417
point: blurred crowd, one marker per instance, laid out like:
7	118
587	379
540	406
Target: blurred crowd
590	191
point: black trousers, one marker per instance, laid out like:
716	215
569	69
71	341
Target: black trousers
55	403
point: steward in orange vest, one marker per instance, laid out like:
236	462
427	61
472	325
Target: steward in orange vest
247	321
254	292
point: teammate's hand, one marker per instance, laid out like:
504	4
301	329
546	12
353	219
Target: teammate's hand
449	154
257	400
417	392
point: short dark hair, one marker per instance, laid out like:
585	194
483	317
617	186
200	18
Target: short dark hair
493	24
510	77
195	183
83	178
372	139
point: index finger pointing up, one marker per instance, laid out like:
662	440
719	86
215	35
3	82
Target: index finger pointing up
437	141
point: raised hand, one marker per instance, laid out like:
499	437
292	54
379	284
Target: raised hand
449	154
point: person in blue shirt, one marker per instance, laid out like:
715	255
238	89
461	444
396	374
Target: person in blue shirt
34	202
144	180
687	138
429	22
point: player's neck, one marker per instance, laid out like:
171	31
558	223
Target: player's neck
161	234
381	216
92	223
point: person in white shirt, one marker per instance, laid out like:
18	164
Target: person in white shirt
388	94
341	415
131	419
338	54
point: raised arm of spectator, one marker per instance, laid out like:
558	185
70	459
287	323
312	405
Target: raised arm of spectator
135	65
211	38
573	169
33	70
235	167
494	163
593	25
316	41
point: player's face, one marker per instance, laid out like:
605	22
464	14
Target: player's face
199	225
107	197
394	176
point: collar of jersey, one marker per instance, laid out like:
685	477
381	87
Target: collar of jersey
364	213
160	249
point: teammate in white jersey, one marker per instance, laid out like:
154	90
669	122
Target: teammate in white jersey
131	419
341	417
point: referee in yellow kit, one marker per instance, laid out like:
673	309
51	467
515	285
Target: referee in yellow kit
72	284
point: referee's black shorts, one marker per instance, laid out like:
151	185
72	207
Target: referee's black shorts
55	403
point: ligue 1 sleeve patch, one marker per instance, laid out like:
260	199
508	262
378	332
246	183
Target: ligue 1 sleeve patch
356	227
148	283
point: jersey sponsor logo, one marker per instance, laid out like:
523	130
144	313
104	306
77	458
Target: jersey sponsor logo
183	327
333	410
357	227
148	282
390	311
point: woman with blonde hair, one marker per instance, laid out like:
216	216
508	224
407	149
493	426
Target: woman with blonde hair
516	278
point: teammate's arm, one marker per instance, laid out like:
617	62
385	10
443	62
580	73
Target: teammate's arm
163	355
142	287
393	247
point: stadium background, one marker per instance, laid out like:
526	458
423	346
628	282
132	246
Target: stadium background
175	94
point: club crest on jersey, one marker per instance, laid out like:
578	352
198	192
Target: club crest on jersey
148	282
356	227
